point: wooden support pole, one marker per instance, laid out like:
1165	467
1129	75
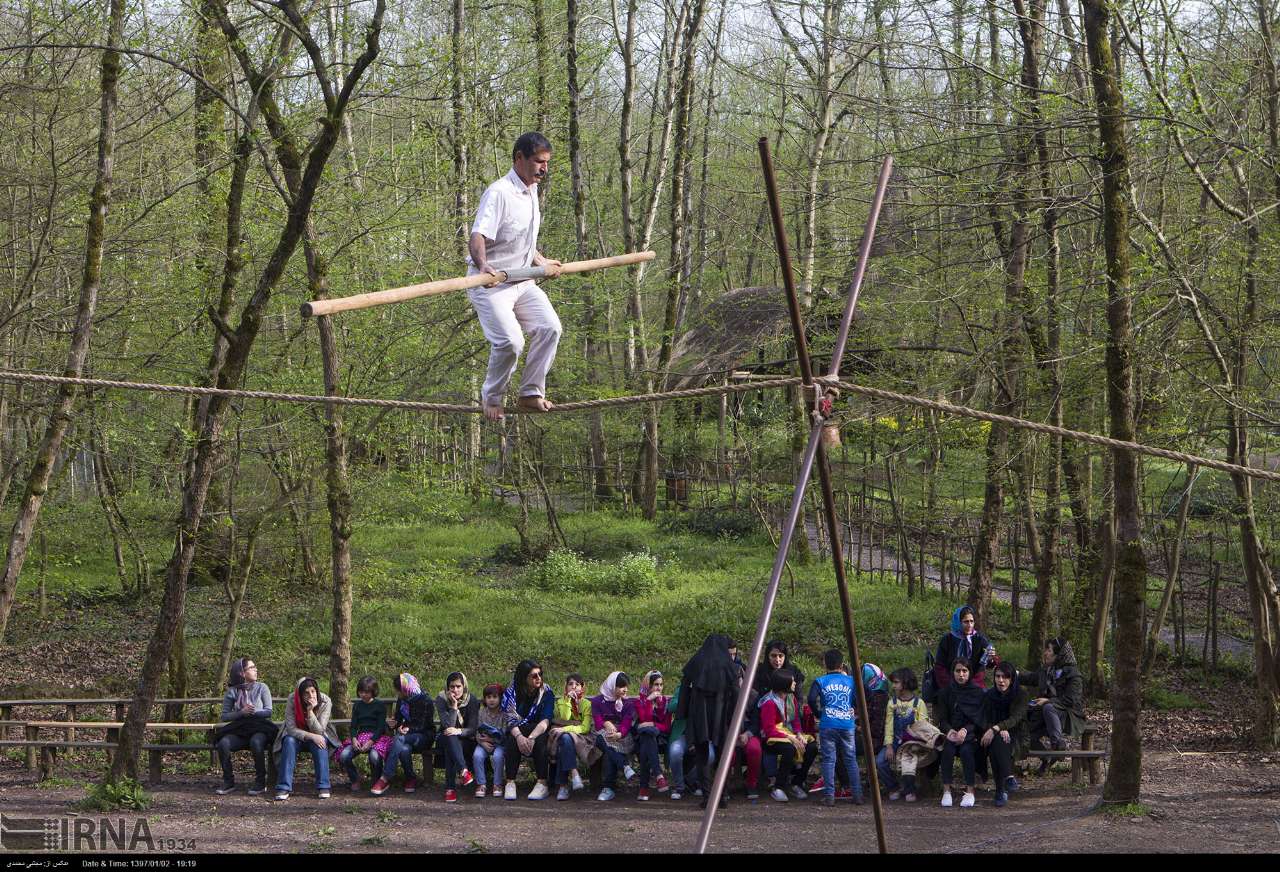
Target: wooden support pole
462	283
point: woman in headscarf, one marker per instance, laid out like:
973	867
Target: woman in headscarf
1005	739
414	733
530	705
613	715
1058	711
245	723
963	642
708	690
459	715
306	725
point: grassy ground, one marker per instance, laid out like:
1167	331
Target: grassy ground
436	590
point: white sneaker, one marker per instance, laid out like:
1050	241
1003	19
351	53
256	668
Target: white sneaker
606	795
778	794
946	799
563	793
675	794
510	792
967	800
577	782
799	792
628	773
540	791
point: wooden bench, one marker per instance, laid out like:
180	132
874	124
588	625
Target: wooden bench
1085	756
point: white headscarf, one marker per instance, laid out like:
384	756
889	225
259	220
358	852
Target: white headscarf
609	690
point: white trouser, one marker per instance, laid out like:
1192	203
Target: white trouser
503	311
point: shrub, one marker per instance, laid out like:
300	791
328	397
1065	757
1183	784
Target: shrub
106	796
718	523
635	574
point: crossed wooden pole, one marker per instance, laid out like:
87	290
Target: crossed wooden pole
814	451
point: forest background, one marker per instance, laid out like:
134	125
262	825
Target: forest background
1081	229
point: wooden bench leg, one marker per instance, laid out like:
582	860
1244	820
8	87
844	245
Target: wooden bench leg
1077	770
33	733
48	760
1095	763
155	764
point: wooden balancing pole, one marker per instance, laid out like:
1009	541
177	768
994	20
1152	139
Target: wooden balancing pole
462	283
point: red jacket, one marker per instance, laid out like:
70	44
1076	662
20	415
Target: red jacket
772	724
654	711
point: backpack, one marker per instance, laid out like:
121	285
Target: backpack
929	682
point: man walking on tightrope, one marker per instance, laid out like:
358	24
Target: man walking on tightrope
504	237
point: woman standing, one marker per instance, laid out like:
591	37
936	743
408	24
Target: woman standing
964	642
306	725
708	690
245	723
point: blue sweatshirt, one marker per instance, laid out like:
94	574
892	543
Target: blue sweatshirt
836	690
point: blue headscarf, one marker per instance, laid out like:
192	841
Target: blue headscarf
873	678
966	641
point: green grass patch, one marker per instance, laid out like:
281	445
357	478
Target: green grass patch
106	796
1127	810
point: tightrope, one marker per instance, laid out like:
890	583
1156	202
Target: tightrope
637	399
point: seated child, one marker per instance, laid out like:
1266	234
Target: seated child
369	729
905	709
491	728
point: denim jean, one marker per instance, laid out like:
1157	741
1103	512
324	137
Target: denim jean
831	740
675	762
402	751
478	758
566	759
347	757
288	758
614	762
456	752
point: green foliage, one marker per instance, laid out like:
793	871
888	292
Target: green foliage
106	796
718	523
563	570
1126	810
1160	698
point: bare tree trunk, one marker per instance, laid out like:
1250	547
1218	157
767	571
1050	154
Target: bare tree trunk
304	180
90	281
457	70
1175	567
1124	777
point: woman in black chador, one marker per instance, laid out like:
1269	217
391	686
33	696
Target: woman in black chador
708	690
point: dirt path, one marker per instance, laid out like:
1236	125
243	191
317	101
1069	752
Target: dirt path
1195	802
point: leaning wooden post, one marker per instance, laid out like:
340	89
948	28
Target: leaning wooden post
813	450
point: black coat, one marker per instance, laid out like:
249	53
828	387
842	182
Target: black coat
962	708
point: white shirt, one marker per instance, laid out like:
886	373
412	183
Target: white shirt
508	218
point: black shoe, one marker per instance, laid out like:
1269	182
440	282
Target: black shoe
227	787
258	789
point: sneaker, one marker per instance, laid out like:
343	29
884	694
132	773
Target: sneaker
563	793
577	784
643	795
777	794
482	791
540	791
606	795
451	796
895	795
355	785
379	787
910	797
410	785
662	784
798	792
1002	799
753	794
225	789
322	794
818	786
844	793
510	791
466	778
628	773
257	789
967	800
829	801
675	794
1011	785
697	792
946	799
281	795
